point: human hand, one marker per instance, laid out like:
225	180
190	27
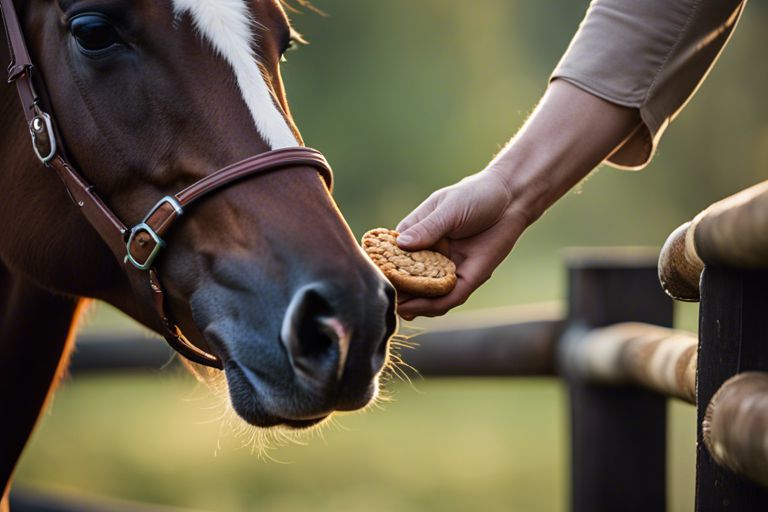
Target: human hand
475	224
477	221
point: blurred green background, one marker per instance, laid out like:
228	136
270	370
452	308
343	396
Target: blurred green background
405	97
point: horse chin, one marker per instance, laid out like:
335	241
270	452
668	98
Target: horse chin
305	424
248	399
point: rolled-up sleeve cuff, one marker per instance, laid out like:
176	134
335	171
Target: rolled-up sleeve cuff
650	55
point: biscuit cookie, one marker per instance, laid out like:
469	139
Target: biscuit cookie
421	273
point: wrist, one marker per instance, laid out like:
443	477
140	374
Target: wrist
522	171
569	134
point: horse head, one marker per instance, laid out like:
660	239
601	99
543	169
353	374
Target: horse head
151	96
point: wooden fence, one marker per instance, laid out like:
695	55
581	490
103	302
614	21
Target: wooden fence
621	361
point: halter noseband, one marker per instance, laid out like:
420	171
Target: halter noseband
137	248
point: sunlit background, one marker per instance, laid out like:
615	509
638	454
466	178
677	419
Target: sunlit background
404	97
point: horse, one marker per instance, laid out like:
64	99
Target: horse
264	276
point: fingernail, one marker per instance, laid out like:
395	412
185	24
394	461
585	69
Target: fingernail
405	238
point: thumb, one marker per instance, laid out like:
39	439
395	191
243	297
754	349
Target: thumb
424	233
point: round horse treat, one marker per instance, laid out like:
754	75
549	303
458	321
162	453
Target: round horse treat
420	273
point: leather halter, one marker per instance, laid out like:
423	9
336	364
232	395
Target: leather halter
136	248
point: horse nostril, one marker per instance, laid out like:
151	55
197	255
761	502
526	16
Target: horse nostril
316	340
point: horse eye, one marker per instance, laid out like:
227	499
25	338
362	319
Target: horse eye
94	33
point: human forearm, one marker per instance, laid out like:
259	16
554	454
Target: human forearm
569	133
634	63
477	221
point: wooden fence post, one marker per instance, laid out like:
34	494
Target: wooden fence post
618	434
733	338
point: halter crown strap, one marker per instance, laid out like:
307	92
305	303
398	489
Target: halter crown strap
138	247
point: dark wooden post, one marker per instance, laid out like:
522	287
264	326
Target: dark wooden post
618	434
733	338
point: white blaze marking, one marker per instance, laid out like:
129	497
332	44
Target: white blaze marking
228	27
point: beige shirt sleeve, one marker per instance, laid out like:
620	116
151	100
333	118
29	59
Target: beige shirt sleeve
650	55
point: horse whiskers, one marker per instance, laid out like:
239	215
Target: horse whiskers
396	367
399	368
259	441
262	441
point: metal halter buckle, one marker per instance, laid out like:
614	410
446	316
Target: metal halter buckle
43	137
143	226
15	71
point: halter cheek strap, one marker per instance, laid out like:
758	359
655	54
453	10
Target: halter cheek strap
137	248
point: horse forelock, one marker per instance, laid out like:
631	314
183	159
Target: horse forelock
229	27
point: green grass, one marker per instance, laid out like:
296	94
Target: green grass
448	445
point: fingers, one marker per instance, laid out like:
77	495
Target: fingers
425	233
425	226
424	209
475	259
403	297
471	275
417	215
412	308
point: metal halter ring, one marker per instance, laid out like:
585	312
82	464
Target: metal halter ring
143	226
43	137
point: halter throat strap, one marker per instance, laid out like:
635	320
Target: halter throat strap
136	249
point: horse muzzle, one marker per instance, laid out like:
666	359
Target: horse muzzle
324	355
